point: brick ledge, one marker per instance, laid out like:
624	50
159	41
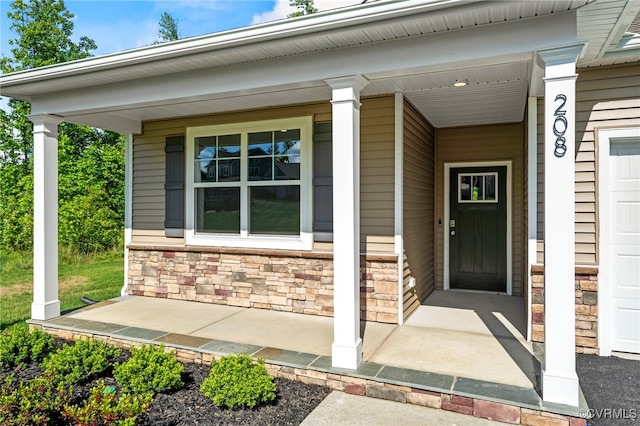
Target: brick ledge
580	270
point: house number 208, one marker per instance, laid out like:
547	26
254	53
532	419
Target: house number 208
560	126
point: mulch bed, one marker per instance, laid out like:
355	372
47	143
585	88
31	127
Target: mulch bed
188	406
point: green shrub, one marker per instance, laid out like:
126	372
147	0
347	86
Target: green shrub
149	370
81	361
18	346
235	381
104	407
37	402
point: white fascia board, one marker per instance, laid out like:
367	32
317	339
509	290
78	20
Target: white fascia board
347	17
391	56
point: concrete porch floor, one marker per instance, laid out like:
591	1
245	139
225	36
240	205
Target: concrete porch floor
461	343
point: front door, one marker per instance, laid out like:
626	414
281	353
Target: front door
478	228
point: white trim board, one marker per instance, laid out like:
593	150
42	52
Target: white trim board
447	167
604	137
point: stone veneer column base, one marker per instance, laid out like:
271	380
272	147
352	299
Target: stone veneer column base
586	307
279	280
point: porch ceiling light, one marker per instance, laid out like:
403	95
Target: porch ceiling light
460	83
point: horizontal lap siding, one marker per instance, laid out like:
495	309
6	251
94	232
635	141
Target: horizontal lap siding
377	168
418	198
605	98
477	144
149	163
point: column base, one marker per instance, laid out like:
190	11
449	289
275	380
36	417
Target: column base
349	357
560	389
45	311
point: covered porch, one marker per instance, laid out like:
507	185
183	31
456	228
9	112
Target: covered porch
463	352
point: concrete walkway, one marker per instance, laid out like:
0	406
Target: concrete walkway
351	410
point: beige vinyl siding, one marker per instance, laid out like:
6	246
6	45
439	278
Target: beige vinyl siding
377	168
418	199
477	144
605	97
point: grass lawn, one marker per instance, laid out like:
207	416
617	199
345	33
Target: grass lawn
97	277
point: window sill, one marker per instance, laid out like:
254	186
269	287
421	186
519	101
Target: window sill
302	242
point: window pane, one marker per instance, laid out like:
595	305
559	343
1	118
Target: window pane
228	170
478	188
260	144
465	188
260	168
489	187
287	167
275	210
229	146
287	142
218	210
205	163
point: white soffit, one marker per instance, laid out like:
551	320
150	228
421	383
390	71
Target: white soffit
475	104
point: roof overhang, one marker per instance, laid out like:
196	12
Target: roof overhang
419	47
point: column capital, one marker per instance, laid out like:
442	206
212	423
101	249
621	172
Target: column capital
45	123
357	81
562	55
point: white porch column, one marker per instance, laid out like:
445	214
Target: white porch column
346	350
559	378
45	217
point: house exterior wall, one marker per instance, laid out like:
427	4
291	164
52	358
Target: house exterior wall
418	207
376	165
606	97
280	280
476	144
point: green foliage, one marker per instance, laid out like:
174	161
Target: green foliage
19	347
304	7
80	362
37	402
149	370
168	30
104	407
235	382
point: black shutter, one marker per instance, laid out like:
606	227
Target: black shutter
174	187
322	181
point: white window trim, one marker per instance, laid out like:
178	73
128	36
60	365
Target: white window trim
304	241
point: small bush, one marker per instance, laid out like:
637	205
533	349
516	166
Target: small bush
81	361
149	370
235	382
19	347
104	407
37	402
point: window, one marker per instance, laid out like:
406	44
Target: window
478	188
251	184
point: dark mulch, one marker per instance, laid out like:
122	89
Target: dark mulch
611	386
187	406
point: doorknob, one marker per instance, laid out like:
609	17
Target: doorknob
453	232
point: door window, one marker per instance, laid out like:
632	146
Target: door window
478	187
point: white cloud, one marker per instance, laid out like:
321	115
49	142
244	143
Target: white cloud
281	9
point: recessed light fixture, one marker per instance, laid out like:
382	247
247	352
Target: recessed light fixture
460	83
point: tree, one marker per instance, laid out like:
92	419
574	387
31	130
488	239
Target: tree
168	28
91	161
305	7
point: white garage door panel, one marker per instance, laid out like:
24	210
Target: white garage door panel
624	243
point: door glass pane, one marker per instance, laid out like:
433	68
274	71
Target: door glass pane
465	188
490	187
275	210
477	192
218	210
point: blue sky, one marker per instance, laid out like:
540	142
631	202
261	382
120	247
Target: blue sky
118	25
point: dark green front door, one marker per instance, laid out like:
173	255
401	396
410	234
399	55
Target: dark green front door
478	228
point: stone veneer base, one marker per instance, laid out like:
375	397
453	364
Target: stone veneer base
280	280
359	382
586	307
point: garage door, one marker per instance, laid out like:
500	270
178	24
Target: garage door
624	249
